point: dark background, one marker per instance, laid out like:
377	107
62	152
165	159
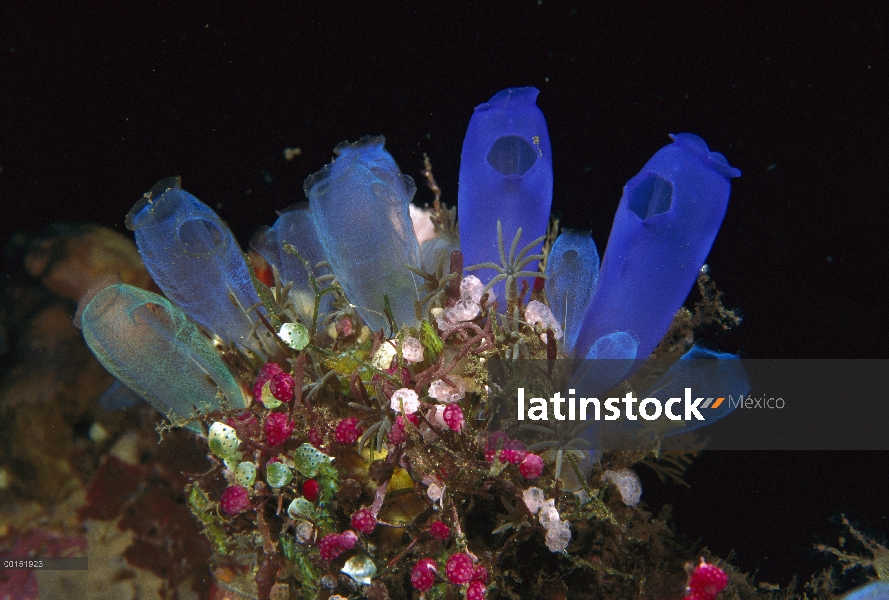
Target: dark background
99	103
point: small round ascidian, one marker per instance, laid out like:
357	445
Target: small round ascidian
245	474
705	582
495	442
266	373
364	521
480	574
347	539
223	440
440	531
423	575
282	387
513	452
278	428
235	499
329	546
531	467
397	434
310	489
347	431
453	417
459	568
315	437
476	591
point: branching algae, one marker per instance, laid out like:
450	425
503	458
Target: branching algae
345	376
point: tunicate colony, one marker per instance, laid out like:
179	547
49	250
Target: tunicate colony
358	222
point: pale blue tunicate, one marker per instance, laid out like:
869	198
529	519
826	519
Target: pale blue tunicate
360	206
152	348
608	361
196	261
614	346
572	270
295	226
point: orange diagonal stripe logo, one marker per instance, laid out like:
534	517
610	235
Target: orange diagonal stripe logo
717	403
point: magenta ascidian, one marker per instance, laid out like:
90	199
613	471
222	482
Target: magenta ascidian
339	371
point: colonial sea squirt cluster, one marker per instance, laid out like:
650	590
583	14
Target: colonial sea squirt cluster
338	370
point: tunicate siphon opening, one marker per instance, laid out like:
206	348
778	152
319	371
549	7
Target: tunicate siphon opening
651	197
153	207
512	156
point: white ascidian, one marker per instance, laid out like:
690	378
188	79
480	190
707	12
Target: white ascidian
469	305
558	532
412	350
405	397
434	491
534	499
539	313
448	394
627	482
558	537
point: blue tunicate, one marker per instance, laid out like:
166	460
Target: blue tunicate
153	349
196	261
295	226
664	227
709	374
699	373
360	206
572	270
506	174
875	590
607	362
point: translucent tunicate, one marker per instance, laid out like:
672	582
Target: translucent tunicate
572	270
152	348
360	207
295	226
195	260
